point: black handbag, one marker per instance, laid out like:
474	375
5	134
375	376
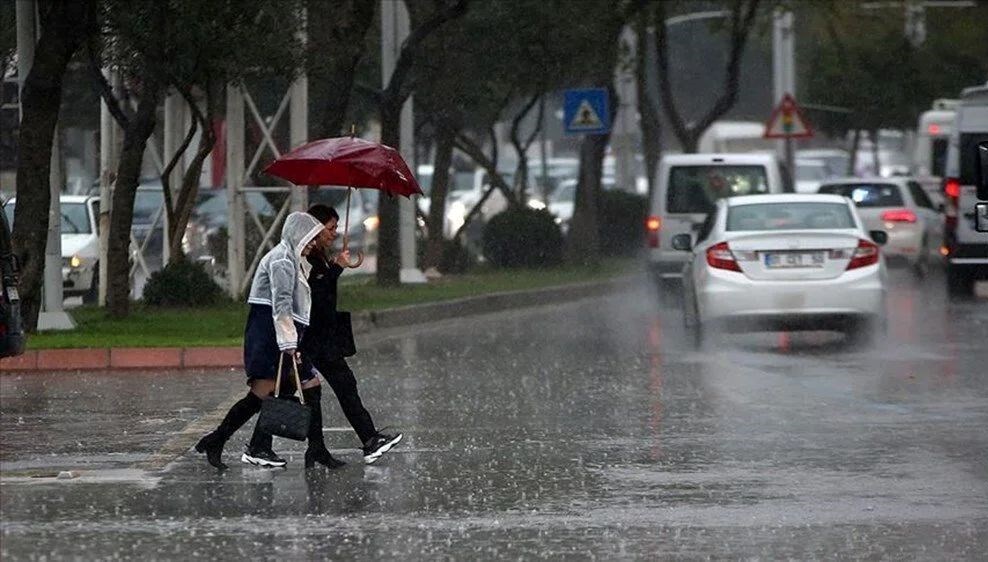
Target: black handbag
286	416
344	334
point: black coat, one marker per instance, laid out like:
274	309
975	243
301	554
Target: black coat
320	338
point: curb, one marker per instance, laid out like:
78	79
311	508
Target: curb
363	322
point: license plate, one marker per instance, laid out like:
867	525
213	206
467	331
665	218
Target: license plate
786	260
12	294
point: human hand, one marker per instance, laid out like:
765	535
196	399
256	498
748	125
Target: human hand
342	259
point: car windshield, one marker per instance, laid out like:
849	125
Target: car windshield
789	216
75	218
868	194
694	189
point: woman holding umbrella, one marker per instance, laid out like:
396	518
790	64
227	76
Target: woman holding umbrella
280	302
322	347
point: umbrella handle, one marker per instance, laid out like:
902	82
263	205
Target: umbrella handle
360	255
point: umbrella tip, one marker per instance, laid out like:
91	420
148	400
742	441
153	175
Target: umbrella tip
353	129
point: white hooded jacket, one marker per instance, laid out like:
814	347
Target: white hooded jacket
280	279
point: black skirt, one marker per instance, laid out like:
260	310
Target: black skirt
261	353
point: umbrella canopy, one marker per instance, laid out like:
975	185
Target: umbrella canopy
347	161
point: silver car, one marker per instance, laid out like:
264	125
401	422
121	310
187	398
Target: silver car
784	262
902	208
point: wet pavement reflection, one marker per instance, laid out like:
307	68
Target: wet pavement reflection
586	430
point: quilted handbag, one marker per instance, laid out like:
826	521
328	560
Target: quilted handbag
285	416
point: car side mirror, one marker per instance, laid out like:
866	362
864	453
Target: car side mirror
880	237
682	242
981	217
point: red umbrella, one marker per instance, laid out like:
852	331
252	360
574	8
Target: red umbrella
347	161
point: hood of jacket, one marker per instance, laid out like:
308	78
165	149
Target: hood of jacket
299	230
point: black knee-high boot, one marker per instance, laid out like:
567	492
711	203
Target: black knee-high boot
212	443
316	451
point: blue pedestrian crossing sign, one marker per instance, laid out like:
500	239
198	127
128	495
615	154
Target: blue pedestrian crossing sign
586	111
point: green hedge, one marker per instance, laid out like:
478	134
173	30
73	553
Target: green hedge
182	283
523	237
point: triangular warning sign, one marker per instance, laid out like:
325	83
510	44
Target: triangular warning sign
586	118
786	121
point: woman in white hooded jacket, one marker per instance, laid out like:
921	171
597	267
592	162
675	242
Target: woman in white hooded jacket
279	302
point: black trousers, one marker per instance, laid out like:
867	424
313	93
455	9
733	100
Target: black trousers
340	378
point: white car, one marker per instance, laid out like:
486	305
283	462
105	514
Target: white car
810	174
80	244
900	207
784	262
563	199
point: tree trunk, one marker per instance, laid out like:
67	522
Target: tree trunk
437	198
140	128
741	23
852	162
650	123
388	252
186	199
583	241
874	152
63	27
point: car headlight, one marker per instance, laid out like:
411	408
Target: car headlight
536	204
75	262
371	223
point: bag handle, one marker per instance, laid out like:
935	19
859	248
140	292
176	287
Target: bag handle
298	383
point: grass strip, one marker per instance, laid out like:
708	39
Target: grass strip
223	324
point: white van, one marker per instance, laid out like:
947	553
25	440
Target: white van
967	249
932	138
687	189
735	136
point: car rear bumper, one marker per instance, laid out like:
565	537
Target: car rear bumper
728	295
667	263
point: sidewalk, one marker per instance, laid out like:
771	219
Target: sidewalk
363	323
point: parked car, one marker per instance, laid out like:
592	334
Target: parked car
967	249
11	329
809	174
80	244
687	190
562	200
783	262
901	207
836	159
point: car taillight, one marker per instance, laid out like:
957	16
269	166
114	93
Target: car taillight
952	189
652	226
899	215
719	256
865	254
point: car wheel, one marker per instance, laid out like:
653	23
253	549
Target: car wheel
92	295
959	281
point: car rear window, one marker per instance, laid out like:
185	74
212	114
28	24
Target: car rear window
695	189
789	216
868	194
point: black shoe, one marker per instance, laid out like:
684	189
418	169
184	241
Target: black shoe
378	445
213	448
262	458
322	457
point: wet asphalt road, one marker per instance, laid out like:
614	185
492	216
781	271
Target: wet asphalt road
580	431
